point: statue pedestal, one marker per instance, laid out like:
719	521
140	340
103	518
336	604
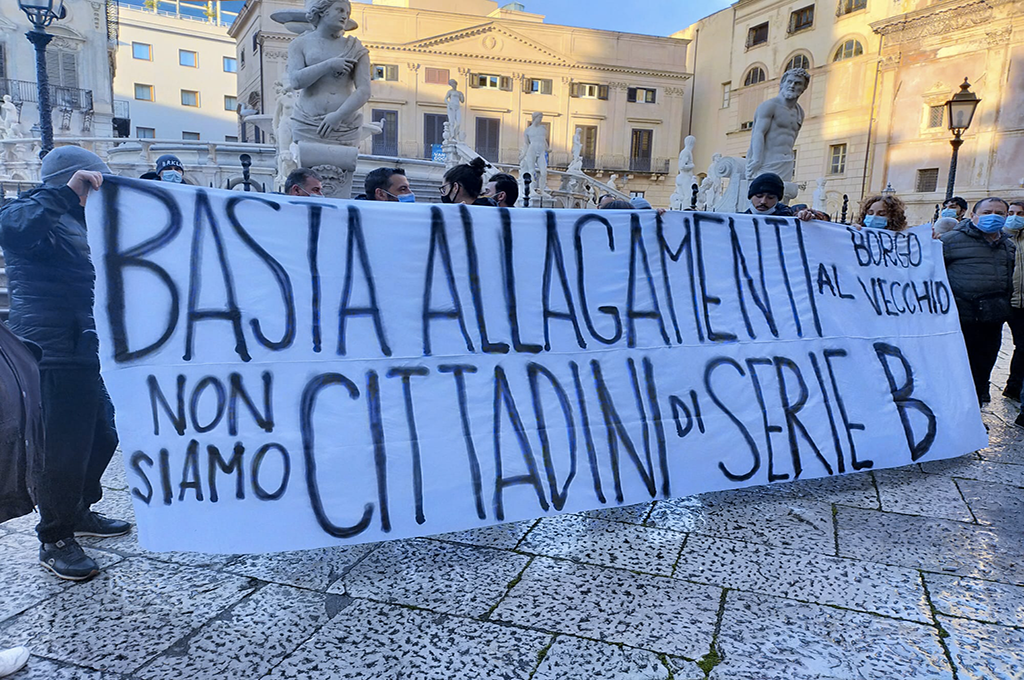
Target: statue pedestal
334	163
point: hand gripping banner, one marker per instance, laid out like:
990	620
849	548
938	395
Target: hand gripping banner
293	373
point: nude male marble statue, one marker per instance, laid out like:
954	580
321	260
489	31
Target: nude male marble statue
777	123
533	157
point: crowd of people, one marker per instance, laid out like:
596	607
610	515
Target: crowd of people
43	237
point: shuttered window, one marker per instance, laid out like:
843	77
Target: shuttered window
588	91
488	137
62	68
386	143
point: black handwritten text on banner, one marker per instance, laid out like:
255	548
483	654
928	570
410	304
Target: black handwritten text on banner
292	373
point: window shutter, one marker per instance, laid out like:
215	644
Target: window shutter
53	66
574	89
602	92
69	69
545	87
527	85
474	80
3	62
631	94
506	83
392	72
652	96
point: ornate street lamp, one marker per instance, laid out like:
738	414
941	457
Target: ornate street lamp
959	112
42	13
888	190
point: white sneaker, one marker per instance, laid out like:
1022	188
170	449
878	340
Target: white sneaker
12	660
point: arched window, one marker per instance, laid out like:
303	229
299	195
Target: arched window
754	76
798	61
849	49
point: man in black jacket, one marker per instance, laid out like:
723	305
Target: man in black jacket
51	279
979	262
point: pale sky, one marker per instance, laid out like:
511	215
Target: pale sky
651	17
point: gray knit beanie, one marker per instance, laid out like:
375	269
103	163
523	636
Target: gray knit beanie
64	161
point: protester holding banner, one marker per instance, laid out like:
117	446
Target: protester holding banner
464	183
765	196
882	212
51	277
979	262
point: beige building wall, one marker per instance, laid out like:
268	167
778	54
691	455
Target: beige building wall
80	59
915	53
408	39
213	118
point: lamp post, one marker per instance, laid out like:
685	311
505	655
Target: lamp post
959	112
41	13
888	190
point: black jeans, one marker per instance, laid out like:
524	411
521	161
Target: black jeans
1015	382
982	339
78	421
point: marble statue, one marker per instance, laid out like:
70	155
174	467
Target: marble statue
454	101
9	126
705	197
777	123
533	157
715	189
286	161
683	194
576	164
613	183
820	197
330	73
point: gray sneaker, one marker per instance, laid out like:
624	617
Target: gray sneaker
66	559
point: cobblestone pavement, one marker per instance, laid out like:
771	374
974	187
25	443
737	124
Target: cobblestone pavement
909	573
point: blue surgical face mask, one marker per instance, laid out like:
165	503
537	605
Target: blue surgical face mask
948	212
172	176
1014	223
407	198
992	223
876	221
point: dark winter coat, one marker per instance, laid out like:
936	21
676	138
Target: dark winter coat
50	275
21	425
980	273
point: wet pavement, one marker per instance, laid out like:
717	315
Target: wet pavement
909	573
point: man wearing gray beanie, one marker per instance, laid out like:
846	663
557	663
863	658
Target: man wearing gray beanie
50	275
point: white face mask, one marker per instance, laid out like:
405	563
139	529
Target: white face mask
172	176
761	211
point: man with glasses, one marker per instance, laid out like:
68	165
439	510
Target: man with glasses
303	182
388	184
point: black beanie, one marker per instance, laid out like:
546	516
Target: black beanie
768	183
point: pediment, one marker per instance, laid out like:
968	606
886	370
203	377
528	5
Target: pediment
488	41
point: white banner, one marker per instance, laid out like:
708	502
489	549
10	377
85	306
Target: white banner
293	372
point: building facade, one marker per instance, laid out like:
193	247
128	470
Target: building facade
176	77
881	72
625	92
80	62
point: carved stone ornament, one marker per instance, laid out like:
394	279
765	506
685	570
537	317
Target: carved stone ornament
334	179
945	21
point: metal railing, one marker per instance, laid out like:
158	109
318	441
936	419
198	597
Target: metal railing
72	98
